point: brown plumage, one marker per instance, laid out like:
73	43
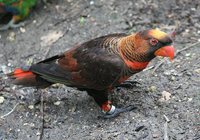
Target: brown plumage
99	65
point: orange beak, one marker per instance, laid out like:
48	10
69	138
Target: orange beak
167	51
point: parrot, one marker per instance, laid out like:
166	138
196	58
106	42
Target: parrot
99	65
19	9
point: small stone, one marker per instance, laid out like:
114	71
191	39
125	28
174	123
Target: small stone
38	134
173	78
11	36
189	99
73	109
34	21
165	96
47	119
2	99
57	103
188	54
167	72
193	9
187	30
23	30
91	2
197	71
29	124
57	7
152	88
5	69
31	106
156	135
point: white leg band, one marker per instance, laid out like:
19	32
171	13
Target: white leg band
112	110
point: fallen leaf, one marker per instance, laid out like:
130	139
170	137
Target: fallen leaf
51	38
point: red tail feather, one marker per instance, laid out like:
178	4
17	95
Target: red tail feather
19	73
27	78
21	77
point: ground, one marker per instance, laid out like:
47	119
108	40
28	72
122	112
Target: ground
171	91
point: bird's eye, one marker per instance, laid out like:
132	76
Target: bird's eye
153	41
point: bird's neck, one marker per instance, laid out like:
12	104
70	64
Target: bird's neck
132	56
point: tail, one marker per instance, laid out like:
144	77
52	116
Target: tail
27	78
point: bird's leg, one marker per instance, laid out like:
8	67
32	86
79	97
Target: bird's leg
110	111
12	24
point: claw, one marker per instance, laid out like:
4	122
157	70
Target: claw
118	111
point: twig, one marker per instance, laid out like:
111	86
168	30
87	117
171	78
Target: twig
166	127
186	48
165	131
39	24
42	117
2	117
149	68
166	118
157	66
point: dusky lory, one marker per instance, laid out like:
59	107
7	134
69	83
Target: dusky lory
99	65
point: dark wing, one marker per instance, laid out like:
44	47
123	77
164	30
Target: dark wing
89	65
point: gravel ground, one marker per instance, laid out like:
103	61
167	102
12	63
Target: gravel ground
172	90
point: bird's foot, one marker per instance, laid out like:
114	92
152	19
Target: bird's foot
114	112
11	24
127	84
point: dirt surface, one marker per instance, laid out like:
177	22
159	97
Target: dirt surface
71	114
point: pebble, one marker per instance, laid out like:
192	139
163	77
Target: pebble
5	69
152	88
38	133
171	72
34	21
11	37
57	103
165	96
2	99
197	71
31	106
189	99
91	2
156	135
23	30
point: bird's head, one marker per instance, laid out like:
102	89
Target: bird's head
155	43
